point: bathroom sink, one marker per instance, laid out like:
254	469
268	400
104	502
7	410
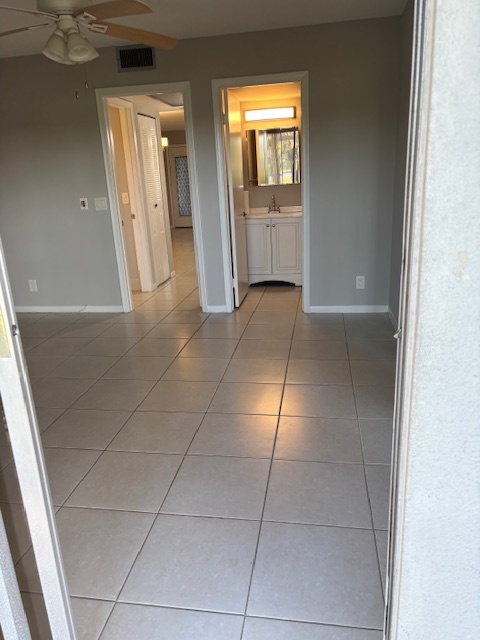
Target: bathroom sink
292	211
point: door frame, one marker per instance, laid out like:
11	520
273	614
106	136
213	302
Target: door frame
233	155
29	463
130	150
103	95
250	81
419	113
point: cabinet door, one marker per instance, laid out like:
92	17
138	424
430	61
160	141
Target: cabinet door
287	246
259	249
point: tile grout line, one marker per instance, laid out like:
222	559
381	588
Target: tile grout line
71	405
208	517
272	459
107	327
365	478
156	516
266	487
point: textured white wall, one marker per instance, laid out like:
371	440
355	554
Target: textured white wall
438	575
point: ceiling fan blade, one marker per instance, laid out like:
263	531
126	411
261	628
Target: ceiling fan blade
140	36
31	28
31	12
115	9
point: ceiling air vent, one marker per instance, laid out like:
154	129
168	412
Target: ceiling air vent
134	57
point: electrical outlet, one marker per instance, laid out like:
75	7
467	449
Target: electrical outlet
83	204
33	285
360	282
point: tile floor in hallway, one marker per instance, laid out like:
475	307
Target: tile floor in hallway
216	477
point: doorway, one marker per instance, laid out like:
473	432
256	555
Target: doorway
261	128
141	190
137	176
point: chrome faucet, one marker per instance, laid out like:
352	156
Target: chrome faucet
272	207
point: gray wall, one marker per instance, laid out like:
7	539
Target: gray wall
401	157
286	195
51	155
175	137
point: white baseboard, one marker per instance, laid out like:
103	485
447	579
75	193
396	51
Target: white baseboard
88	308
393	318
364	308
216	308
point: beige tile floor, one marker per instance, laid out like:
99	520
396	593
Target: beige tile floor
216	476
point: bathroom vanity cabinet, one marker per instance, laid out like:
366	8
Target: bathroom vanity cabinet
274	247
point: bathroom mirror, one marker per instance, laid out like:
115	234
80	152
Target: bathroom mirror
273	156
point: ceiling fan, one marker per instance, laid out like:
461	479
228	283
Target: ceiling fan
68	45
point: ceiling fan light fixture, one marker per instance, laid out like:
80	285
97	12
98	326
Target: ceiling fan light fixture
56	48
79	48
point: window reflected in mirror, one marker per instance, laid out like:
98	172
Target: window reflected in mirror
273	156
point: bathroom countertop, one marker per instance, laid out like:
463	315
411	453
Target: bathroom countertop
285	212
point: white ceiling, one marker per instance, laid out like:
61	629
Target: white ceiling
171	119
201	18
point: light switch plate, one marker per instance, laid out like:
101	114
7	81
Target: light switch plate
125	198
100	204
83	204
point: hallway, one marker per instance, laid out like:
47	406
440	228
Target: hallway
216	477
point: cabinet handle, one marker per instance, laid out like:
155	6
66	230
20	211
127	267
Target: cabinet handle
268	226
273	225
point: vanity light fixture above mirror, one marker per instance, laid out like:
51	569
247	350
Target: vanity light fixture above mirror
275	113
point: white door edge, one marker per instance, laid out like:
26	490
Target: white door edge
139	230
12	613
30	466
151	156
109	159
140	235
408	308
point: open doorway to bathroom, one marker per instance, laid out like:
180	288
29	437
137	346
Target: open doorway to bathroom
261	135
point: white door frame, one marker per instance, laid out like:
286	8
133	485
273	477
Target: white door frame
233	154
103	96
408	311
250	81
13	619
29	461
139	224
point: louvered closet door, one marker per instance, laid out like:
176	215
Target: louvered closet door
154	199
